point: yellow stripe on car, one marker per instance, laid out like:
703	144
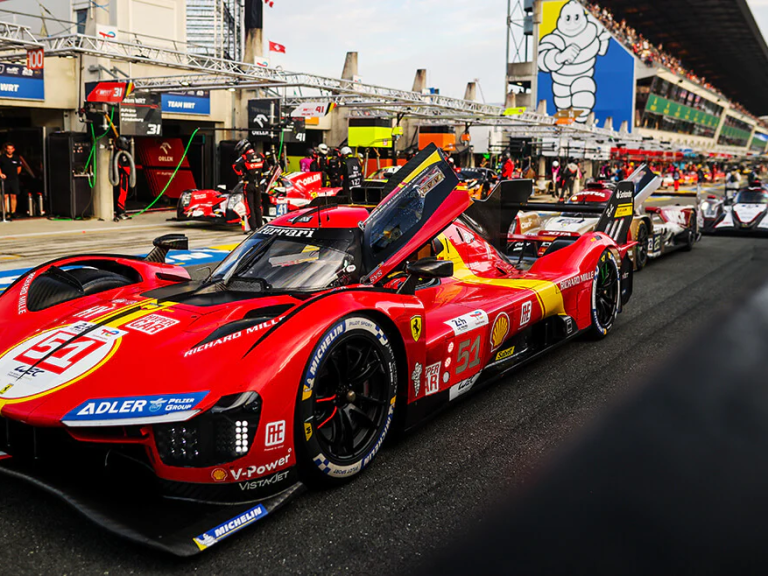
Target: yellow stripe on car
548	293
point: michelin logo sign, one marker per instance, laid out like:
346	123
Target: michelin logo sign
582	67
119	411
207	539
18	82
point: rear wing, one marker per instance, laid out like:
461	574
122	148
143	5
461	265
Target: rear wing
616	219
492	216
615	215
369	194
680	198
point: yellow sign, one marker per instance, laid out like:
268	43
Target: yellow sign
623	210
416	328
307	430
500	330
518	111
504	354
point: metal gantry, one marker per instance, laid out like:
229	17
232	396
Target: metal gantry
15	37
203	72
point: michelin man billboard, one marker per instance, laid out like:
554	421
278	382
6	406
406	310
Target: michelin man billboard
581	66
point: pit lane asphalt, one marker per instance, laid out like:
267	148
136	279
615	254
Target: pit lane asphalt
427	489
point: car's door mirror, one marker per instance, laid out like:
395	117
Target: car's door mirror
166	243
430	267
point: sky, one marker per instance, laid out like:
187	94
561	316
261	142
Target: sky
455	40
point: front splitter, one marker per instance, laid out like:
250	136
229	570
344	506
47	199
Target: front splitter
178	527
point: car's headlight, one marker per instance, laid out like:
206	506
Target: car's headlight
223	434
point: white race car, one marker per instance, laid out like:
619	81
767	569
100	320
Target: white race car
745	214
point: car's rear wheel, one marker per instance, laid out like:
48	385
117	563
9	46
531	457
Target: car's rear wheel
691	235
641	249
606	292
346	401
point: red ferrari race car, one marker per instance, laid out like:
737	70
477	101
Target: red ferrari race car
287	192
178	412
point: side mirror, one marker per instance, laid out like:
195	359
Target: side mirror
425	268
164	244
430	268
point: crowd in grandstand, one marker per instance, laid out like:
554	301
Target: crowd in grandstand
652	54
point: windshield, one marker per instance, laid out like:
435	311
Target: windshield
283	258
752	197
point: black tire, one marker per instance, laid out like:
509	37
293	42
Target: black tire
641	249
346	402
691	235
606	294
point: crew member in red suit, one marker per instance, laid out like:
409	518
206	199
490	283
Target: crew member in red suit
508	170
250	166
124	172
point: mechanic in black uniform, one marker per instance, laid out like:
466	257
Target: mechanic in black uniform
321	161
335	169
250	166
10	168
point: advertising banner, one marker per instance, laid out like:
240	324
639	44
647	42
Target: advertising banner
312	109
159	158
582	67
188	102
19	82
111	92
659	105
264	119
759	142
295	132
140	115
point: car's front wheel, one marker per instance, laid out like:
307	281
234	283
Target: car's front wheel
346	401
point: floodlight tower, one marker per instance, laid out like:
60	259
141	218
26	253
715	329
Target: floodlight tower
520	60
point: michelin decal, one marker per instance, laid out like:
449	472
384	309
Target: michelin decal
569	54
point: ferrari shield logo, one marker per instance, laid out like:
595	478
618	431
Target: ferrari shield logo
416	328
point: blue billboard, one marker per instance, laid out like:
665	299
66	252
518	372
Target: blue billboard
18	81
582	67
190	102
